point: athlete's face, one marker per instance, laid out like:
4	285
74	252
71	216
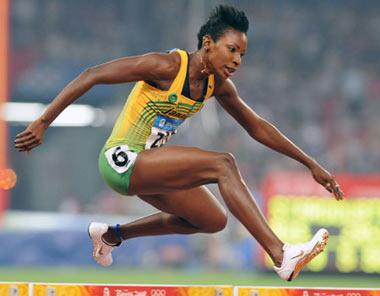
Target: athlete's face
224	56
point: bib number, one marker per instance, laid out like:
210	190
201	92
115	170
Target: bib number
120	158
162	129
158	137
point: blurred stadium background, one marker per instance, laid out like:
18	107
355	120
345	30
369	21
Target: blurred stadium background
312	69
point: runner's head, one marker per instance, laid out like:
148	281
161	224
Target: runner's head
223	39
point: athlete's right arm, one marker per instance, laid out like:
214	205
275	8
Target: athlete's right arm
151	67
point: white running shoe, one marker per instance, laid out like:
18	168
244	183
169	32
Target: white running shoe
297	256
102	252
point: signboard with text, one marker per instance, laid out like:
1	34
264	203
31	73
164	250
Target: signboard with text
128	290
279	291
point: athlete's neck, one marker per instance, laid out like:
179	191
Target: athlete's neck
198	68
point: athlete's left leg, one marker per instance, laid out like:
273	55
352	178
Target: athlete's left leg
182	213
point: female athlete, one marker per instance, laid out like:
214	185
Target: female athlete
171	87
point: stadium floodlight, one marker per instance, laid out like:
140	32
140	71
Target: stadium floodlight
73	115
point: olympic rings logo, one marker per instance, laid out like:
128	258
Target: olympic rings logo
157	292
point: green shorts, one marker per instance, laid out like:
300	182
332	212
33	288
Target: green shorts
115	167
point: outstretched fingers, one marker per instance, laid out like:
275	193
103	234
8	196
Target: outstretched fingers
26	141
31	137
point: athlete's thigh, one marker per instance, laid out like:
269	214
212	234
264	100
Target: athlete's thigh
172	168
196	205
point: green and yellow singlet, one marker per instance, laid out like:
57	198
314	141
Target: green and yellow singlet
151	116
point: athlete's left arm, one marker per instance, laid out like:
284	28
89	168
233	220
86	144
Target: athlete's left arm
266	133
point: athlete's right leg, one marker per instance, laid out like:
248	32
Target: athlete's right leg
173	168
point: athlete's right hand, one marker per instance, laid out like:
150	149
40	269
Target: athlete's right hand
31	137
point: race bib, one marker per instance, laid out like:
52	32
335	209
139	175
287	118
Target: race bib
120	158
162	129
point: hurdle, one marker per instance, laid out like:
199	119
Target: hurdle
69	289
303	291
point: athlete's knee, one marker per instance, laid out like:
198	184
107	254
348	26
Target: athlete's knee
226	163
215	223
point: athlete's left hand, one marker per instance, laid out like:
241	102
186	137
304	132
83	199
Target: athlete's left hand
327	180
